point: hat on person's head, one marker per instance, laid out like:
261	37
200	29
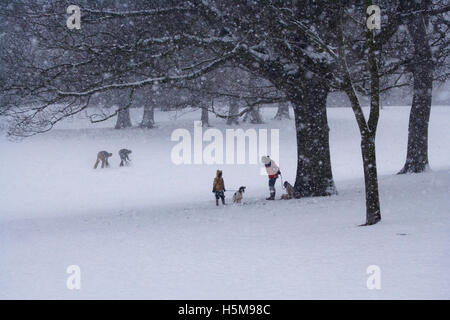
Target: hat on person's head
265	159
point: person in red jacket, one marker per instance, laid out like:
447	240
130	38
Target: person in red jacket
272	171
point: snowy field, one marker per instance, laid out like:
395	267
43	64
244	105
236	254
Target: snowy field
152	230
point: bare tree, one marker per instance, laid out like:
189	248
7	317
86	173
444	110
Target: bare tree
367	128
422	68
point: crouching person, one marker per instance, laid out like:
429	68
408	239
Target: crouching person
290	191
219	187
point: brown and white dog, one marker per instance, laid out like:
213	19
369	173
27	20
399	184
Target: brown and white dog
237	196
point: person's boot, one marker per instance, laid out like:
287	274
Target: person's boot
217	202
272	196
223	201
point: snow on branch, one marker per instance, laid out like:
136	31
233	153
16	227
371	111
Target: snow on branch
312	36
188	37
150	81
138	13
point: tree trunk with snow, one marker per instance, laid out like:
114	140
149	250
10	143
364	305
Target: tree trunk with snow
367	128
283	111
314	176
373	212
124	99
148	118
205	117
123	118
308	96
422	70
233	112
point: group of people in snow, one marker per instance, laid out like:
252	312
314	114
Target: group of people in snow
273	172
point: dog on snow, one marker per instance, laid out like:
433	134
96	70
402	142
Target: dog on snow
237	197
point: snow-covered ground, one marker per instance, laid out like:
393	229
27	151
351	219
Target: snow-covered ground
152	230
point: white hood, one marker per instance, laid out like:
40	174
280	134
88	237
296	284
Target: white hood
265	159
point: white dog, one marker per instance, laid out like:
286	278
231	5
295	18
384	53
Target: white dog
237	196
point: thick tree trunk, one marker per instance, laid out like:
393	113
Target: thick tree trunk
123	118
417	152
314	176
233	112
422	69
283	111
373	213
148	118
308	97
124	99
